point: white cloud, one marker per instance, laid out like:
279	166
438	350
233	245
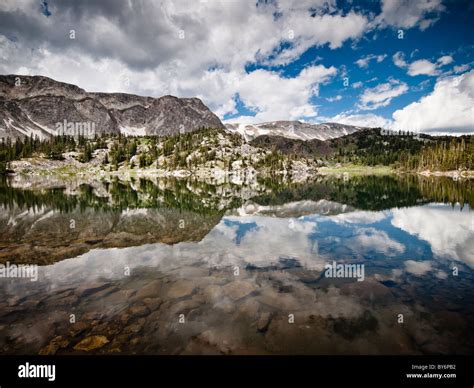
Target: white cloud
371	239
292	99
408	14
137	49
399	59
448	231
335	98
421	66
461	68
316	31
445	60
359	217
449	108
217	88
381	95
364	61
418	268
361	120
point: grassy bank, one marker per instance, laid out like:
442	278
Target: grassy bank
353	169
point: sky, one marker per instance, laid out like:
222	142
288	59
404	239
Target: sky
397	64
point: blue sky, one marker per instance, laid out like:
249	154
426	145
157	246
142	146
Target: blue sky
451	36
256	61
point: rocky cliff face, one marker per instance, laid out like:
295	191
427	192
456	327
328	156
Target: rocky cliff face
40	106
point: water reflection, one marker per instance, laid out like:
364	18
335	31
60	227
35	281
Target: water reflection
228	278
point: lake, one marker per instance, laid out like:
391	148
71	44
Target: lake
183	267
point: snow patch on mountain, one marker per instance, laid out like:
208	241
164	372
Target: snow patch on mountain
293	130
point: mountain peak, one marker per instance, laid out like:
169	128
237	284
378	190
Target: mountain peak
293	130
37	105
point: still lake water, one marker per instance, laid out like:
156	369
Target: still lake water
181	267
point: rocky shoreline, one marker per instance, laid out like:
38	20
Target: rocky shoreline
45	173
33	171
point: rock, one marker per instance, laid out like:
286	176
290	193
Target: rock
124	318
280	301
112	113
225	305
89	289
78	328
70	300
369	290
54	345
248	309
138	311
180	289
151	290
449	320
213	292
135	327
153	303
13	301
215	340
264	322
91	343
118	297
238	289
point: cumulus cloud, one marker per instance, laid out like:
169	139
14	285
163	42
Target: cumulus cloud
364	61
445	60
421	66
418	268
382	94
292	99
369	120
448	231
304	32
408	14
399	59
180	47
461	68
449	108
203	49
359	217
373	240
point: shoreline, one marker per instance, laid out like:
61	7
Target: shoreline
57	172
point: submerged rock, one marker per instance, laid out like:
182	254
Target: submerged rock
54	345
91	343
180	289
238	289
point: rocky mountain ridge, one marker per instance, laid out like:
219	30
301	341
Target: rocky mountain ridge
296	130
42	107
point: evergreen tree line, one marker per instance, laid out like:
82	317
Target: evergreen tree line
52	148
369	148
408	152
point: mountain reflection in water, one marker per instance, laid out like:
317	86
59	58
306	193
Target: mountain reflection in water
181	267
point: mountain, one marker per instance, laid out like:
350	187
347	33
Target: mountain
41	106
293	130
364	141
305	148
